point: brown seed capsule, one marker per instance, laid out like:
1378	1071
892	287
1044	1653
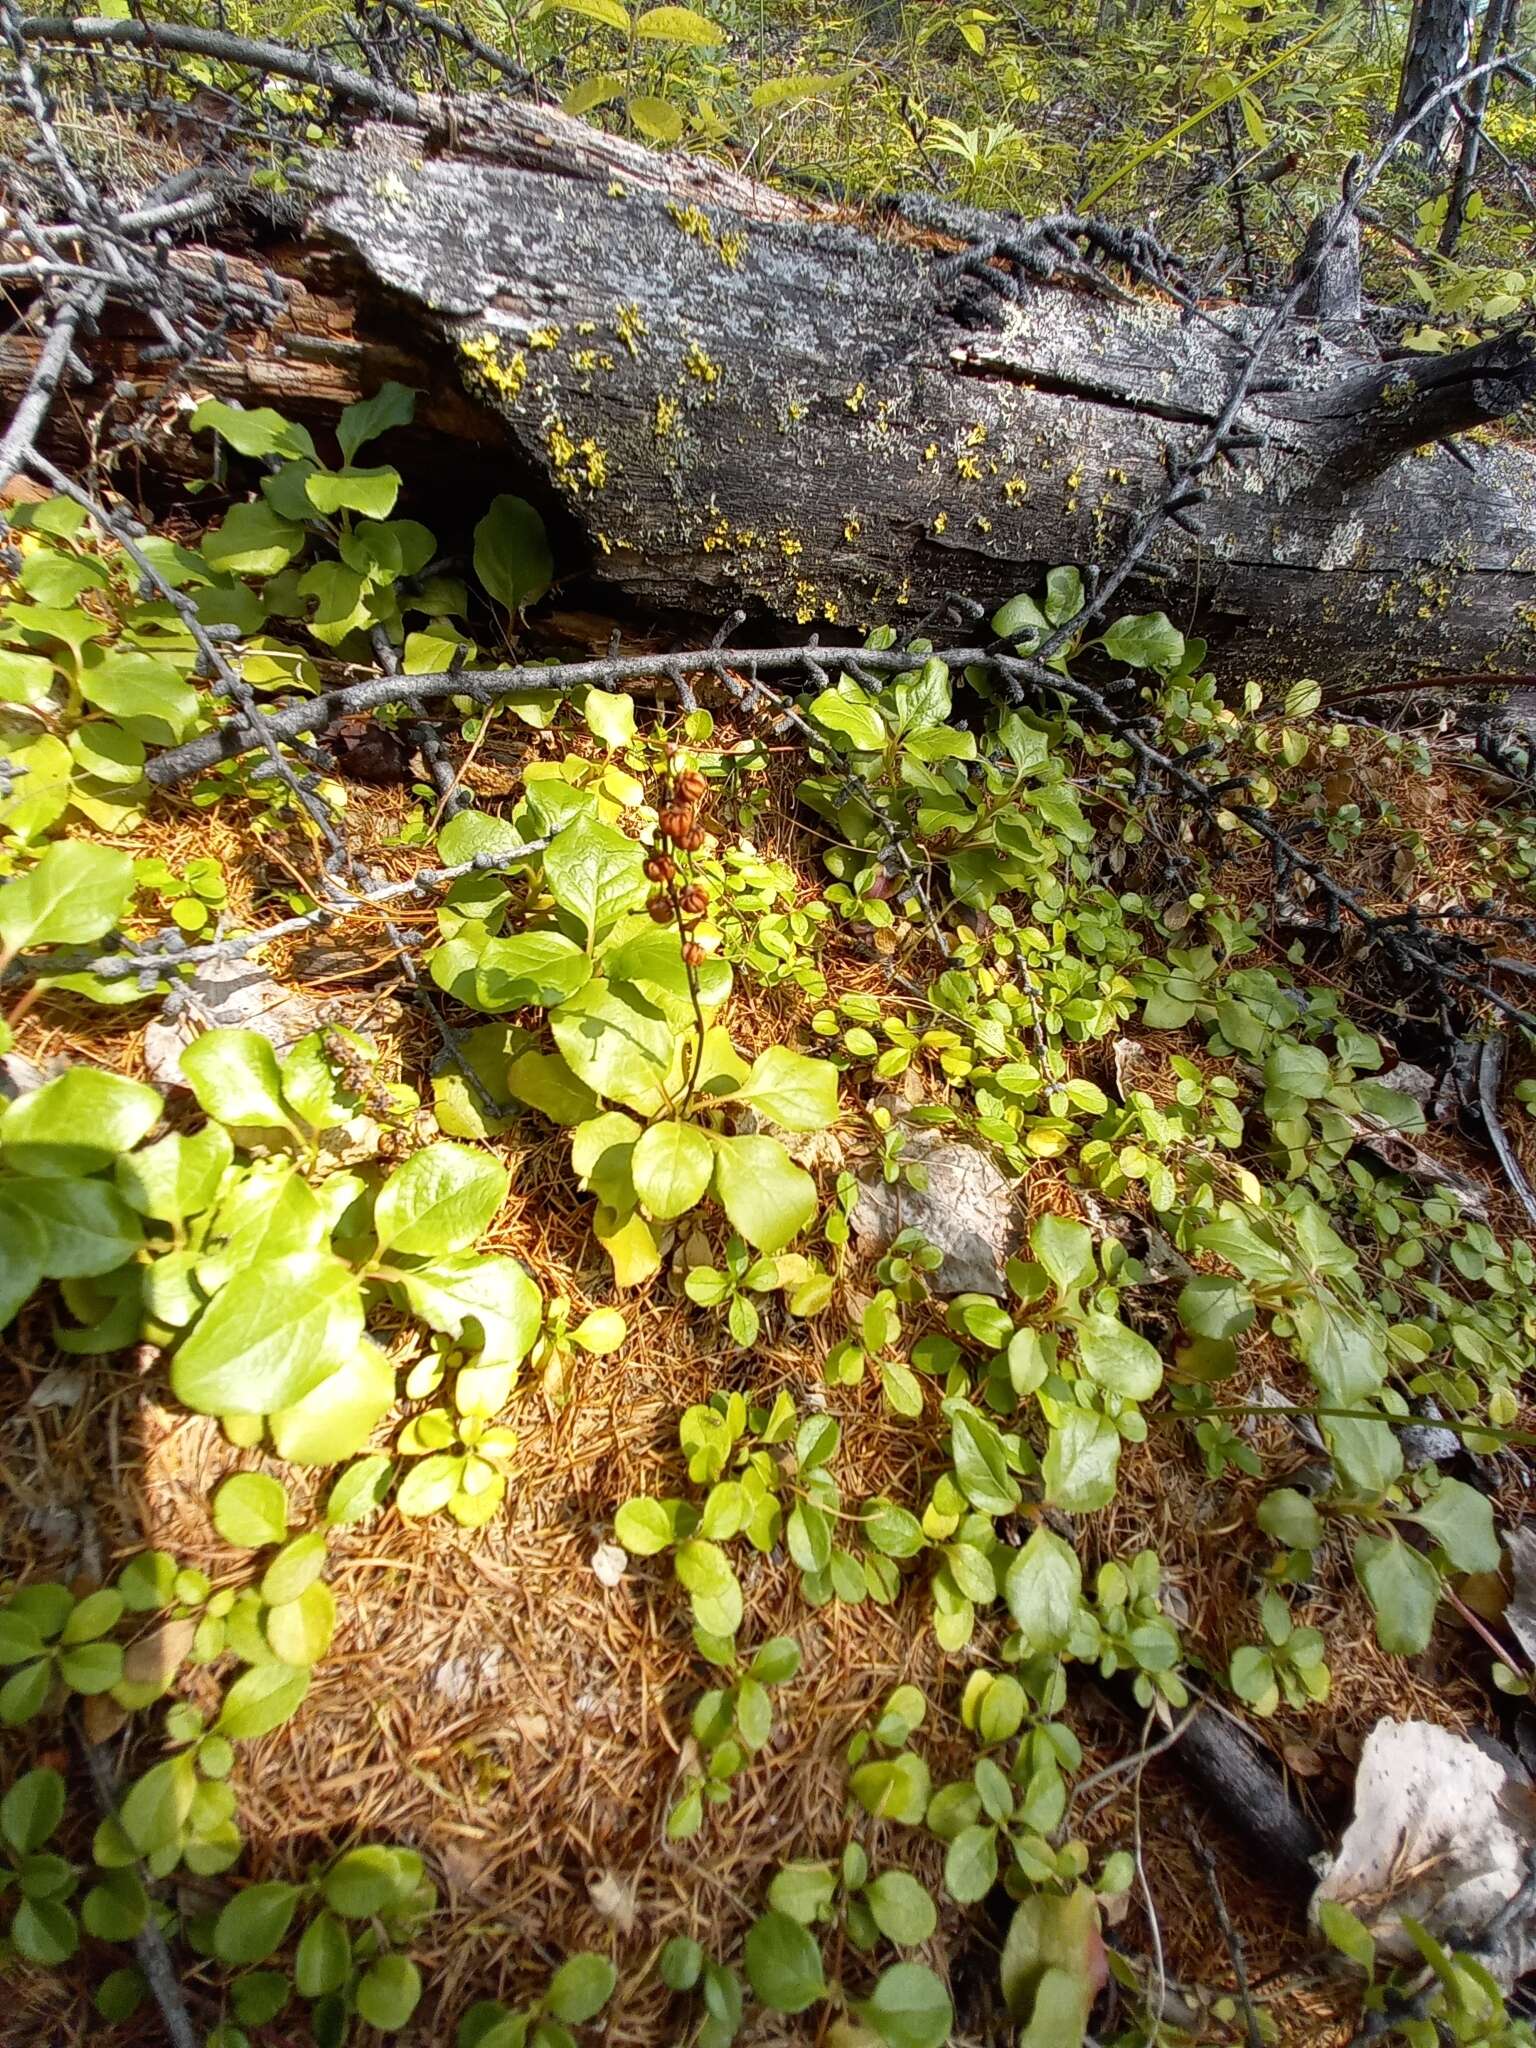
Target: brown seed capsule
693	954
660	909
692	786
694	900
675	822
691	840
660	868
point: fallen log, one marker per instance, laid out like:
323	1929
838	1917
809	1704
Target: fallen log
739	398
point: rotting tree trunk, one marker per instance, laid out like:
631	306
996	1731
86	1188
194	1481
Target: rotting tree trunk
1439	37
739	398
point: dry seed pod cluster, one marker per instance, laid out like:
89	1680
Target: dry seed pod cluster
678	823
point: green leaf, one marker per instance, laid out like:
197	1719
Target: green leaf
970	1864
1064	1246
981	1464
145	693
657	119
783	1964
75	893
1343	1931
610	717
259	1998
429	1484
275	1332
44	1932
774	1662
250	1510
1145	640
1044	1590
25	678
117	1908
645	1526
594	871
253	1923
22	1250
803	1891
441	1199
342	601
791	1090
155	1808
235	1077
671	1166
254	430
77	1123
1214	1305
617	1042
365	1881
360	1491
294	1569
388	1992
858	721
370	491
253	541
176	1177
1460	1519
392	405
323	1960
337	1417
580	1988
678	25
300	1630
1080	1463
31	1809
766	1196
902	1908
680	1963
1117	1358
512	553
510	974
896	1788
1290	1518
1019	617
909	2008
86	1228
489	1302
1403	1589
259	1701
704	1570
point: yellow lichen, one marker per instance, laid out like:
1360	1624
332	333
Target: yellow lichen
855	399
941	523
544	337
789	547
667	411
489	364
576	462
732	248
630	327
977	436
853	526
1016	490
695	223
699	365
589	359
616	189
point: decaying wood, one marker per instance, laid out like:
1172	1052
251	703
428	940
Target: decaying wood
739	398
1245	1789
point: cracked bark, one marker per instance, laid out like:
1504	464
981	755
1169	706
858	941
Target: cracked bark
735	397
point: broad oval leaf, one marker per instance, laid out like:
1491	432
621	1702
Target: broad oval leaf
670	1166
271	1336
441	1199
